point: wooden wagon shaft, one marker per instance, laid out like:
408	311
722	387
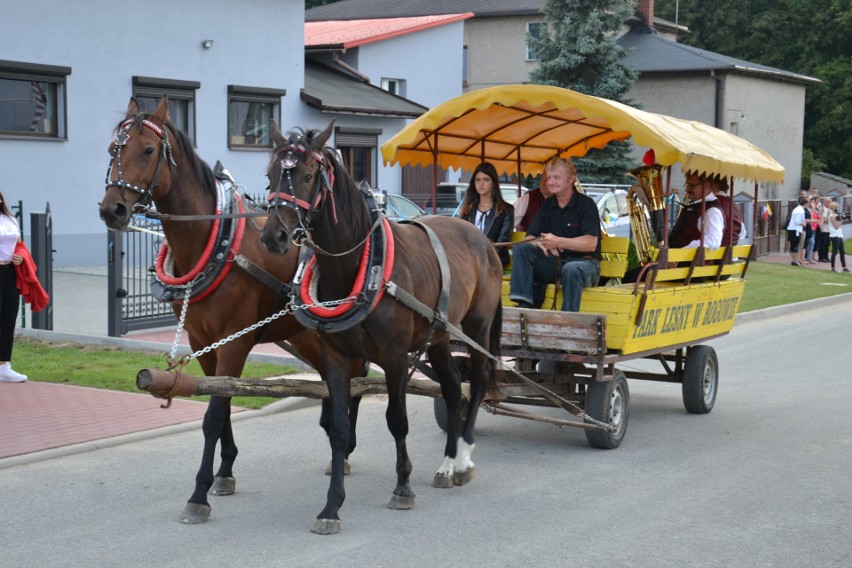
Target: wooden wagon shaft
499	409
167	384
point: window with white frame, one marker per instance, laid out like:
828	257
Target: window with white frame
395	86
249	111
33	100
534	31
148	92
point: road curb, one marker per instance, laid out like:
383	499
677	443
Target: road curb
284	405
776	311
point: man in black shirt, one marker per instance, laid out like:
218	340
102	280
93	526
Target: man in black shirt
567	245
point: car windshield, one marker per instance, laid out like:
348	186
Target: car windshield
399	208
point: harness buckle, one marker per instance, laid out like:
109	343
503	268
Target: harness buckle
375	278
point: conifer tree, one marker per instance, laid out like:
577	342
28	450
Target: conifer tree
578	50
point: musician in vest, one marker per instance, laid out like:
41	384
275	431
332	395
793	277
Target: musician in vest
687	230
527	206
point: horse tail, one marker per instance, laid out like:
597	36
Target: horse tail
494	343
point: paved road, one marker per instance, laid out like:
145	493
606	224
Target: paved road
761	481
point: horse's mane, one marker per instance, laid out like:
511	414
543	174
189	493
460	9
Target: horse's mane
347	196
200	168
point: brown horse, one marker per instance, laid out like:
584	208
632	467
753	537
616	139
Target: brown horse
153	162
314	200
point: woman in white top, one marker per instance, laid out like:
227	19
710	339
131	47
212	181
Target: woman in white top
795	230
10	298
835	234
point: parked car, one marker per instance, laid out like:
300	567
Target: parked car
450	196
398	207
612	208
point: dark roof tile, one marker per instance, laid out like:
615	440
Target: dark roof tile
333	91
367	9
647	52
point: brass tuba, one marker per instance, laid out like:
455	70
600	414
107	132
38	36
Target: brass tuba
646	201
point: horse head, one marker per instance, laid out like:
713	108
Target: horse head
301	177
138	153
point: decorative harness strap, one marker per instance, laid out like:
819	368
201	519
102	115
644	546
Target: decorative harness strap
223	244
375	269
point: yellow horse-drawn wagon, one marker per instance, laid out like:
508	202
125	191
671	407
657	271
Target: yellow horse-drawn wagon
681	298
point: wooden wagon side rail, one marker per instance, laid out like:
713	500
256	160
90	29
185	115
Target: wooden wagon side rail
553	331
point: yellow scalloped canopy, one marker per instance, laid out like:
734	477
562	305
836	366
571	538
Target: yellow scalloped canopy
520	127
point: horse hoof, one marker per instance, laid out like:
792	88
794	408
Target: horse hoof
223	486
327	526
347	468
442	481
401	502
195	514
464	477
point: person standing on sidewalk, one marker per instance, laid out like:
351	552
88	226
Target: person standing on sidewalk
10	298
835	233
795	231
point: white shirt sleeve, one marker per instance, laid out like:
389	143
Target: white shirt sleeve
713	233
521	208
797	220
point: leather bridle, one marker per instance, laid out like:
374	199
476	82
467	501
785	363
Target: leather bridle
122	136
305	211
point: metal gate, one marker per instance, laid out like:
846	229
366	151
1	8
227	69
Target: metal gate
129	256
41	237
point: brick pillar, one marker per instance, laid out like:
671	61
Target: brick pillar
646	7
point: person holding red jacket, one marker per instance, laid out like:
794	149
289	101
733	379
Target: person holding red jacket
10	298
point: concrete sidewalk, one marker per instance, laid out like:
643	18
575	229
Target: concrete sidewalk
44	420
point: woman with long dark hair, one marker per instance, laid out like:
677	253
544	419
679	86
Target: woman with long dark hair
484	206
10	298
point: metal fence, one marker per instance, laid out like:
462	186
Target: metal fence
130	254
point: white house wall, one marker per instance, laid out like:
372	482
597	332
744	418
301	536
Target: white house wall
106	43
430	62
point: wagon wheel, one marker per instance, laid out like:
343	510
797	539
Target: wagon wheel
700	379
608	402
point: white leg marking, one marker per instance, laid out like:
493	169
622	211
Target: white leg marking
463	462
446	469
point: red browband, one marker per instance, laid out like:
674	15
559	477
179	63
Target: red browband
290	199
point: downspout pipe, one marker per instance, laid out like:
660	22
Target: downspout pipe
335	56
720	100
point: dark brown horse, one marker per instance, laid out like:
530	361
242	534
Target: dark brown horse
314	200
154	162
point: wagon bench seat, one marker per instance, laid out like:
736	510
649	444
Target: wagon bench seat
672	312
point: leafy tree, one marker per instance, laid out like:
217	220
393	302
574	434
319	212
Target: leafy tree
805	36
810	165
578	50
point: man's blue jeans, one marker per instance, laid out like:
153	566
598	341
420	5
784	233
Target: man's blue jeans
532	270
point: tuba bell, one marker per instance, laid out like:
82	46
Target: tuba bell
646	201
